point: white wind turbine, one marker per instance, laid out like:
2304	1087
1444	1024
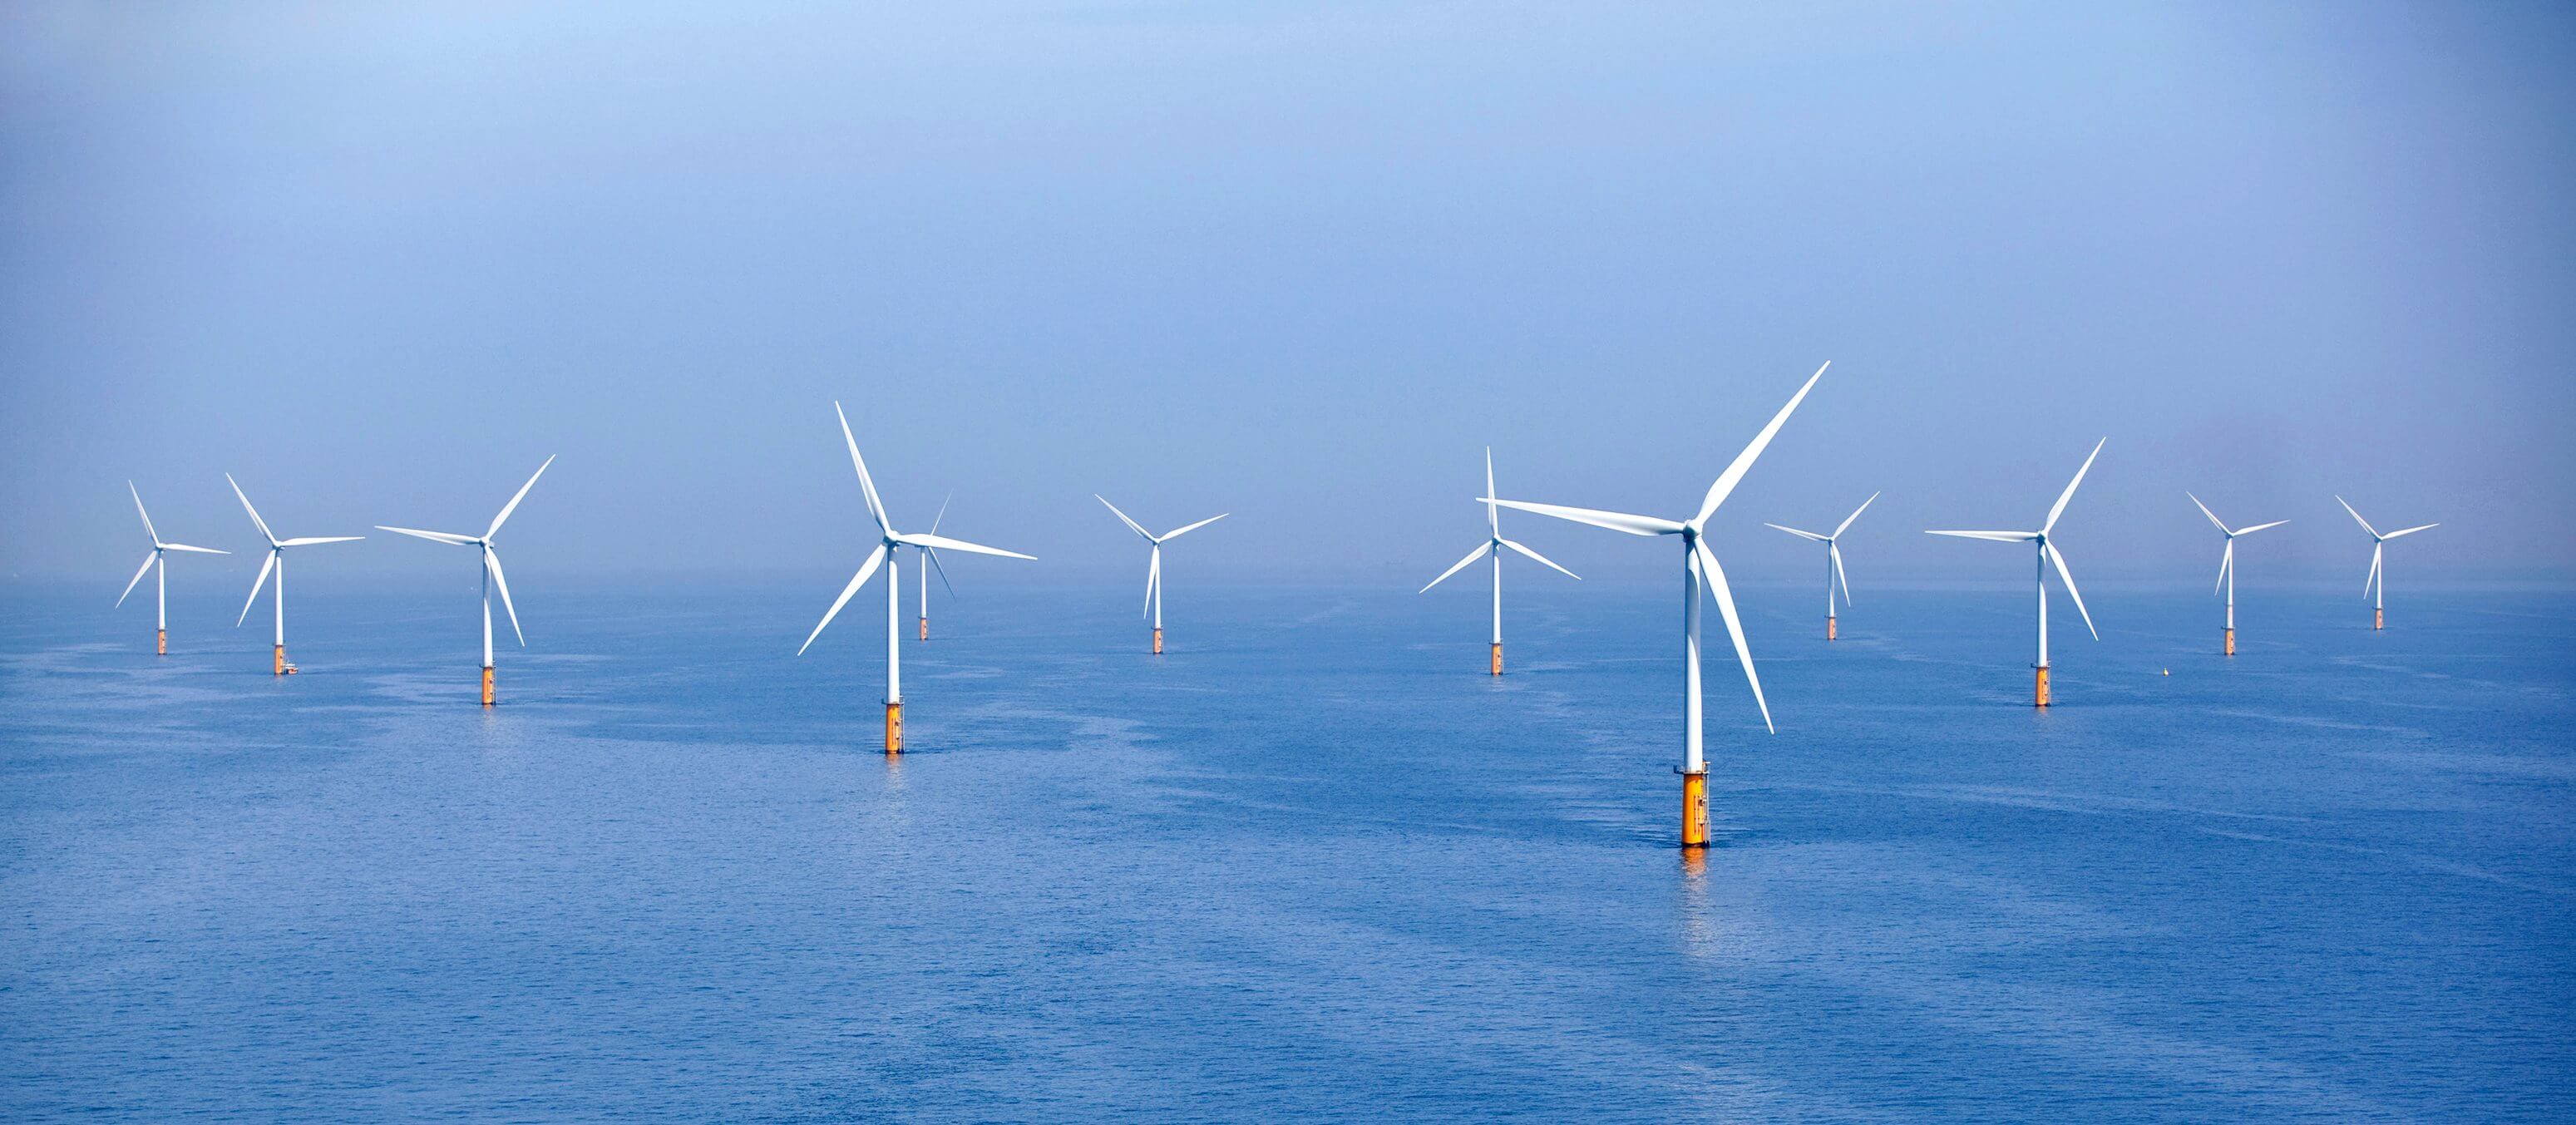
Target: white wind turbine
1154	566
276	561
1833	559
161	582
2227	565
491	570
888	542
1698	564
2048	556
929	560
2376	585
1495	545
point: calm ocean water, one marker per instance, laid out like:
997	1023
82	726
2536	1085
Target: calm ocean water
1314	862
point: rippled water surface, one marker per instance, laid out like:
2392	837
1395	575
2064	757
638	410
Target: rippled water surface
1312	862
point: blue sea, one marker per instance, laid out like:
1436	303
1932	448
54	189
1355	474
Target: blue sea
1312	863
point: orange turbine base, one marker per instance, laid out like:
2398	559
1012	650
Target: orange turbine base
278	666
487	686
2378	619
160	642
894	728
2043	686
925	628
1158	640
1695	810
2231	642
1829	628
1498	658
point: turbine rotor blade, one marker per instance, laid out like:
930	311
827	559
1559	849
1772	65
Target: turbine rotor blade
2226	560
1542	560
1168	536
432	536
513	505
1472	556
254	512
1997	536
1800	534
933	558
2213	516
943	512
310	540
2372	579
147	516
148	558
198	550
1615	521
2410	531
1834	551
1153	580
1493	518
492	562
1122	517
2356	518
867	484
866	569
2058	509
1735	470
947	544
1734	628
265	565
2068	577
2259	527
1855	516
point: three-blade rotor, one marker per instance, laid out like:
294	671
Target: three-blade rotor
1494	541
888	538
276	547
491	554
2048	550
1833	548
157	546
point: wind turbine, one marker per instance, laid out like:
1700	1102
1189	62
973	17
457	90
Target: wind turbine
888	541
929	560
1494	545
161	582
276	561
1833	559
2048	556
1154	567
2376	585
491	570
2227	564
1698	564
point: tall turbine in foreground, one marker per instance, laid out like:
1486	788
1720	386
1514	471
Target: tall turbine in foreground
2048	556
929	560
161	582
1698	565
1494	545
2375	586
888	542
1833	559
491	570
1154	565
2227	565
276	561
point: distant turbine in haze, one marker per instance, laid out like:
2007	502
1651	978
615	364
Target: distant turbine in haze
1154	564
1698	564
1833	559
1495	545
276	561
160	582
2227	566
491	570
2375	587
929	560
888	542
2048	556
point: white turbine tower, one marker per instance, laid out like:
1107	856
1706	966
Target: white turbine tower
2375	586
491	570
2227	565
276	561
1154	565
1495	545
2048	556
929	560
161	582
888	542
1698	565
1833	559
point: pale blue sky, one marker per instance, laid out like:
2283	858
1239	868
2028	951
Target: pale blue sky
1298	262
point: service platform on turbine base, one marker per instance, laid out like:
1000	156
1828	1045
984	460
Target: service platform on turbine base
1695	809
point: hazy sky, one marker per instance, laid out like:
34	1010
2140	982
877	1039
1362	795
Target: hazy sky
1297	262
